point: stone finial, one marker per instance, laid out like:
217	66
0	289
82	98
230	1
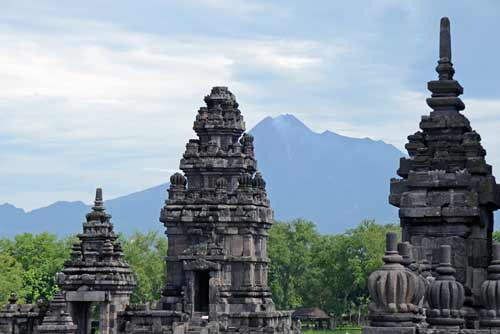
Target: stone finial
490	292
13	298
445	66
218	95
98	203
394	290
404	249
57	320
178	180
98	210
258	181
445	91
445	294
445	39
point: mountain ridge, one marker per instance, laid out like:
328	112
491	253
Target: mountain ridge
331	179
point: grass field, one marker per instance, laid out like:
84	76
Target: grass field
346	330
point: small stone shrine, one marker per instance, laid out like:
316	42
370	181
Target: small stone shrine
57	320
96	275
446	197
217	218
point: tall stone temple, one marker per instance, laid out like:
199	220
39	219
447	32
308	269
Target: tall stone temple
217	217
446	195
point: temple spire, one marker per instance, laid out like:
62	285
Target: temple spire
445	90
445	66
98	203
445	40
98	210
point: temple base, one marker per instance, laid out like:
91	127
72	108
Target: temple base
140	320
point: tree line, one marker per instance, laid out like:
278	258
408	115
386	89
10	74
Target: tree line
307	269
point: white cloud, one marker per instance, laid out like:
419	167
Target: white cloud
117	98
86	104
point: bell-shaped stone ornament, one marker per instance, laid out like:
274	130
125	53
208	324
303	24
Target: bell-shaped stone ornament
490	292
445	294
394	291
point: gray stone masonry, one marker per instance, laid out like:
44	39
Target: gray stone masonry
447	193
217	217
96	274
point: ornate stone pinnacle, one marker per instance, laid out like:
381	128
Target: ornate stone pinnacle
98	210
391	254
98	203
445	295
404	249
445	39
445	66
395	291
13	298
490	292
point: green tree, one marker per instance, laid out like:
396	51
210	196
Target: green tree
496	236
145	253
345	262
11	273
291	275
40	257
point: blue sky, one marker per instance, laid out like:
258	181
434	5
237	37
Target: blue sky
104	93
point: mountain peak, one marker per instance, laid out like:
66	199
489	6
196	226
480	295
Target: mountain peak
282	123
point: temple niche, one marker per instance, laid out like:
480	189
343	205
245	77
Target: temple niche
217	218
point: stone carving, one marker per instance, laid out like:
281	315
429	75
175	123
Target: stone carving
57	320
97	274
447	193
490	292
21	318
445	295
395	292
217	218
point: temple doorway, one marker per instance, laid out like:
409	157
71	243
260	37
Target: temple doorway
201	294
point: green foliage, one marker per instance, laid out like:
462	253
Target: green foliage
496	236
290	248
11	273
39	257
145	253
29	263
330	271
306	270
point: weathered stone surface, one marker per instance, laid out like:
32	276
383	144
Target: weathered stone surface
395	291
217	218
446	193
490	293
57	320
21	318
445	295
97	274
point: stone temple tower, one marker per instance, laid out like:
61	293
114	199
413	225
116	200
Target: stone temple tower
97	275
447	194
217	219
